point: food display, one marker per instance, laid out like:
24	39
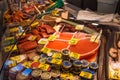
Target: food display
42	45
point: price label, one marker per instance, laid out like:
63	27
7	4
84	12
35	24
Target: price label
14	29
16	58
44	67
79	27
114	74
57	55
94	38
86	75
14	63
67	76
56	61
32	38
75	55
52	38
20	34
27	64
9	38
34	24
73	41
8	48
46	50
57	28
43	41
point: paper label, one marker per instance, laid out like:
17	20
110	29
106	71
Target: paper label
73	41
75	55
56	61
114	74
57	28
43	41
14	29
67	76
46	50
27	64
86	75
32	38
79	27
44	67
8	48
34	23
57	55
20	34
52	38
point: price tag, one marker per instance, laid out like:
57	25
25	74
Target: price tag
73	41
43	41
27	64
52	38
94	38
75	55
56	61
86	75
14	63
44	67
34	24
8	48
14	29
45	50
57	55
32	38
114	74
20	34
79	27
67	76
57	28
9	38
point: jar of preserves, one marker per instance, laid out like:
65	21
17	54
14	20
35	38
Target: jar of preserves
65	54
46	76
76	67
36	74
93	66
84	63
66	66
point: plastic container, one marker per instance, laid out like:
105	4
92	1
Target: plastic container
107	6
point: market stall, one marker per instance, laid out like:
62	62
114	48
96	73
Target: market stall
42	42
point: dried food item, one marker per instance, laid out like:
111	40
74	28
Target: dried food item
35	32
48	28
44	35
113	53
39	47
27	45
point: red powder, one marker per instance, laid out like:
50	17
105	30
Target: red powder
57	45
65	36
84	46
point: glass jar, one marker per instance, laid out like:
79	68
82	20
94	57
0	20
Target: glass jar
66	66
65	54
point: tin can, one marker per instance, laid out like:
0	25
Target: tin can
46	76
36	74
55	74
84	63
66	66
76	67
65	54
93	66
